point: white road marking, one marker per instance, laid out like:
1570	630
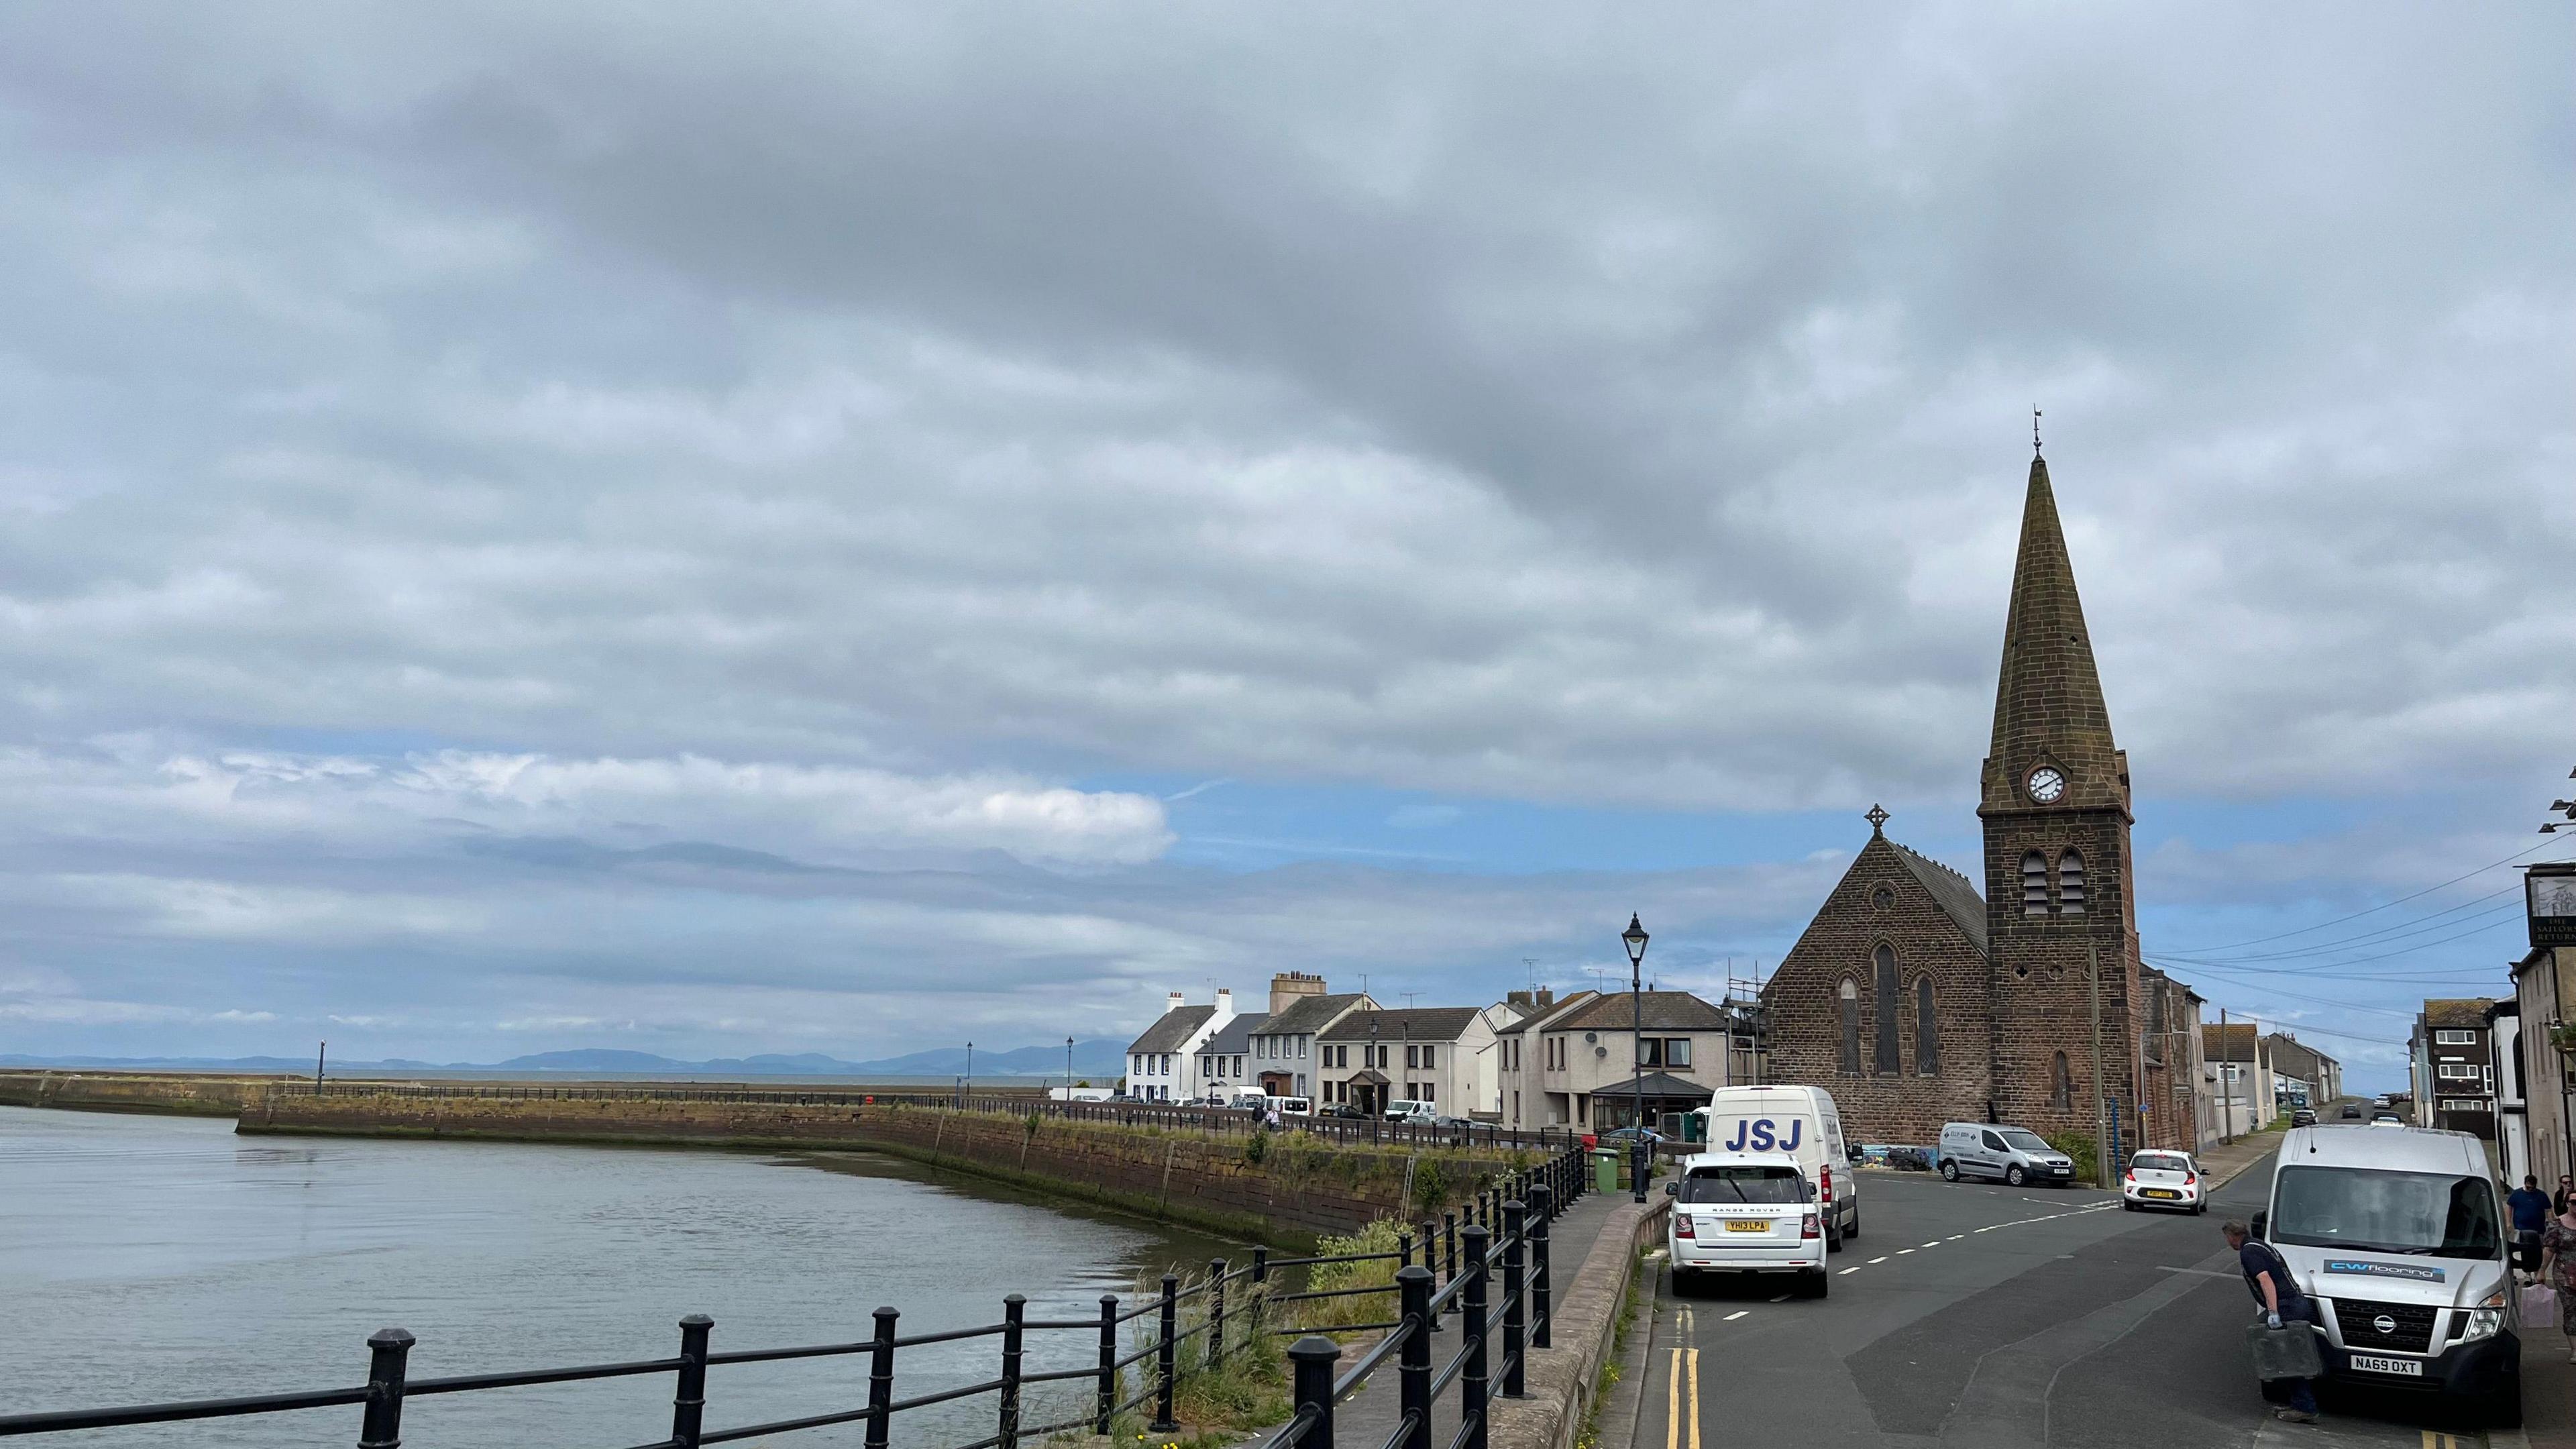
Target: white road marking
1847	1272
1739	1313
1878	1260
1901	1252
1783	1298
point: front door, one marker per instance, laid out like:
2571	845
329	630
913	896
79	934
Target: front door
1366	1097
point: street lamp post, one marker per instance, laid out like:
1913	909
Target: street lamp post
966	1084
1634	938
1068	1070
1377	1095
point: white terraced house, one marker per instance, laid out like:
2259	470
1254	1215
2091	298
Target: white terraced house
1159	1062
1225	1059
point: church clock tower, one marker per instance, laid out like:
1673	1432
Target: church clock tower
2055	805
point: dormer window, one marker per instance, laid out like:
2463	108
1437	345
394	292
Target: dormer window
2034	884
2070	883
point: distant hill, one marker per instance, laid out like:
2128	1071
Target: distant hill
1090	1058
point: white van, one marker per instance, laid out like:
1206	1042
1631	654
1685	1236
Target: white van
2013	1155
1745	1212
2397	1236
1405	1110
1804	1123
1293	1106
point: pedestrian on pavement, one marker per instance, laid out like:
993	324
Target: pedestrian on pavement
2566	1190
2558	1270
2530	1208
2281	1301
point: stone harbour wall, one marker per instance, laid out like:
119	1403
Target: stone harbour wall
159	1092
1295	1191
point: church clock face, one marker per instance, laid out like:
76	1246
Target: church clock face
2046	784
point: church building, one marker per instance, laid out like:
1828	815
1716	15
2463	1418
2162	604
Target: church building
1917	1000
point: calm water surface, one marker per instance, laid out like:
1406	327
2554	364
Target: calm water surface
150	1258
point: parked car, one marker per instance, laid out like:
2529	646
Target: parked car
1745	1212
2397	1237
2303	1117
2386	1119
2352	1112
1341	1110
2159	1178
2013	1155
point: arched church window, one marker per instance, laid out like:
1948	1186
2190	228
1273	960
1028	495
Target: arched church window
2061	1086
2070	883
1851	1028
2034	884
1887	1010
1927	1034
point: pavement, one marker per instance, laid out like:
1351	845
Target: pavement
1980	1315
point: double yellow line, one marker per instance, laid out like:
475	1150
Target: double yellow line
1685	1362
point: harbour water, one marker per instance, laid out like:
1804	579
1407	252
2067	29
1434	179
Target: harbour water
154	1258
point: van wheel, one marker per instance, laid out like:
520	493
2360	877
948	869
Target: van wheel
2012	1175
1949	1172
1814	1284
1833	1239
1852	1228
2503	1408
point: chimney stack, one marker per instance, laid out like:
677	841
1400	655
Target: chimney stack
1177	1002
1289	987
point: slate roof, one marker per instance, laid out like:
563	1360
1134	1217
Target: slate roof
1539	1018
1235	1037
2465	1013
2289	1049
1956	894
1174	1031
1310	1014
1665	1011
1414	1023
1658	1084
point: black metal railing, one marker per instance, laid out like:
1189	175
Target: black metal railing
1520	1254
1170	1116
1484	1235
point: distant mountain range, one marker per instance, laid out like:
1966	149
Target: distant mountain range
1090	1059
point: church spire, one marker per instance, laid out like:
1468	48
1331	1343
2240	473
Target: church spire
2048	697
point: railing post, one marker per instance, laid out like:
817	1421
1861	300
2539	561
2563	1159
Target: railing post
1216	1313
881	1380
1413	1356
1542	1208
1014	1310
1166	1366
1431	1265
1513	1317
1260	1295
1449	1248
1107	1402
388	1349
1471	1380
1313	1357
1404	1248
689	1401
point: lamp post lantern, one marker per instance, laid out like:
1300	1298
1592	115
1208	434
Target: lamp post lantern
1634	938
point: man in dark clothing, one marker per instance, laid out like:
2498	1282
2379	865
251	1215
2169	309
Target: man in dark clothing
2282	1302
2566	1188
2530	1208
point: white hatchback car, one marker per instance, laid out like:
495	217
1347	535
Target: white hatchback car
2163	1179
1746	1212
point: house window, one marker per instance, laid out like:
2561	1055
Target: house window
1426	1091
1301	1046
2457	1071
1927	1035
1883	1006
2070	883
1851	1029
1650	1052
2034	884
1677	1052
2061	1084
1413	1059
1428	1064
1516	1106
2456	1038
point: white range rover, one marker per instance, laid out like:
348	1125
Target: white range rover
1745	1212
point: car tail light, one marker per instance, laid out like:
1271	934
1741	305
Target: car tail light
1829	1187
2191	1179
2130	1177
1682	1226
1811	1226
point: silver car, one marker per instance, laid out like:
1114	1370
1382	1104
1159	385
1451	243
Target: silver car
2014	1155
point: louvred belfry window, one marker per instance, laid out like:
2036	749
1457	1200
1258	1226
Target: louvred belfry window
2070	883
2034	884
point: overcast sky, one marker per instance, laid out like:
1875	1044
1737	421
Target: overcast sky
723	529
